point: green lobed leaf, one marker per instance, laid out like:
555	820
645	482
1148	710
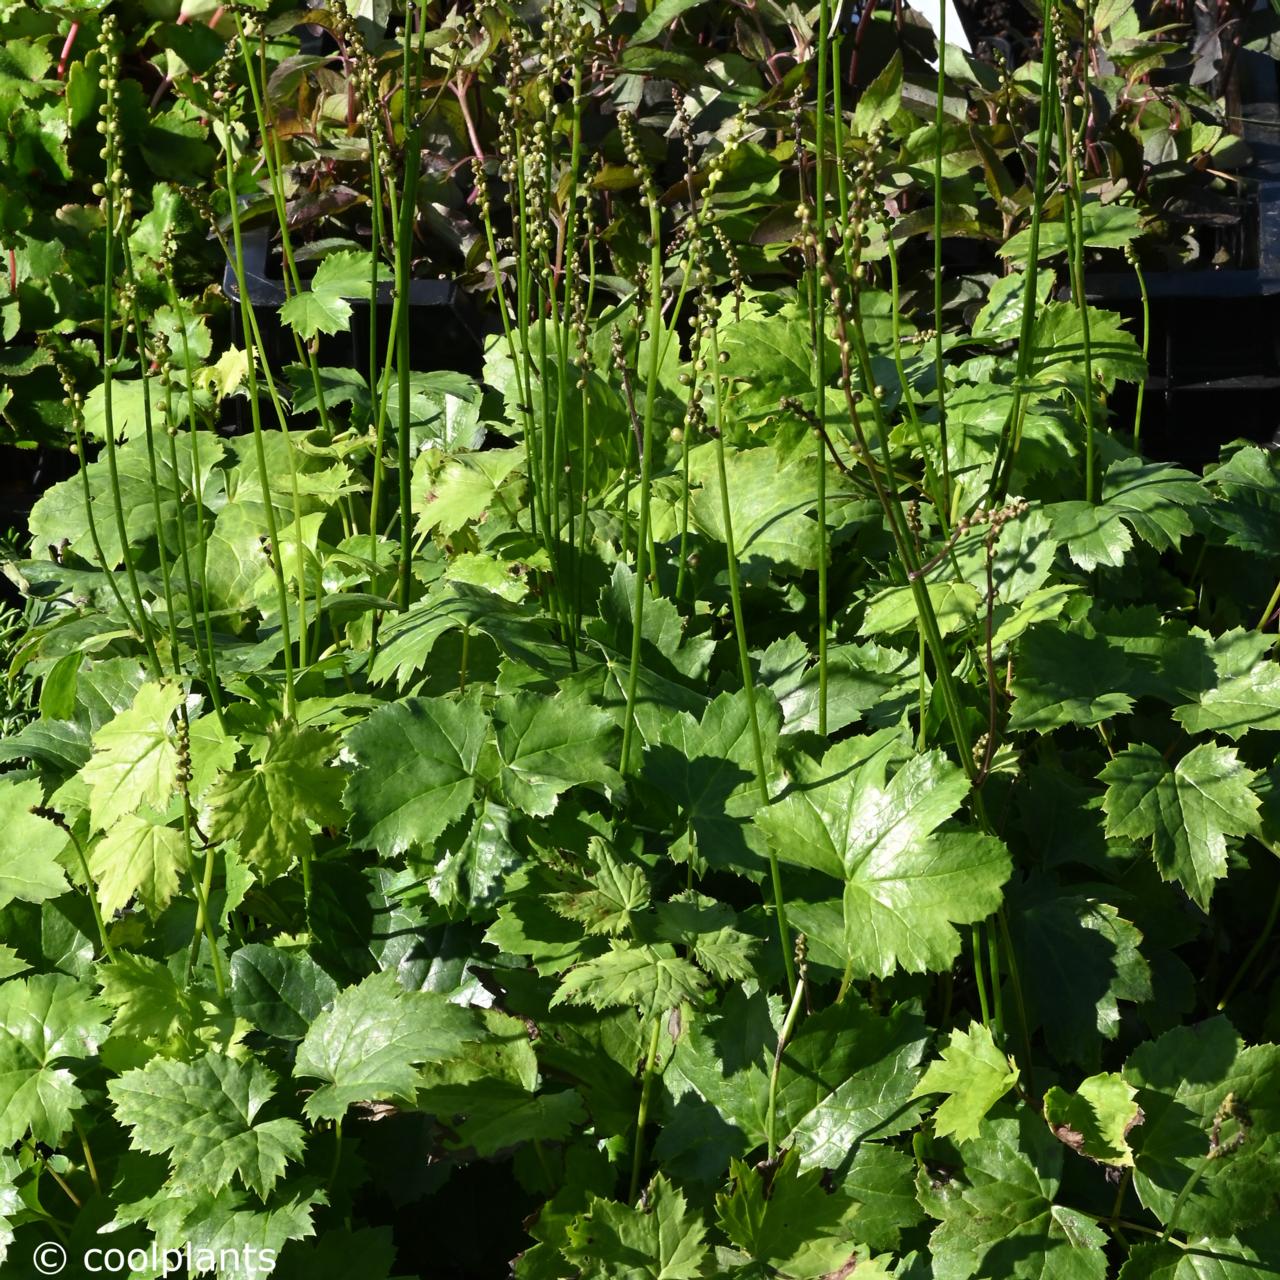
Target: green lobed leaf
135	757
548	745
974	1075
906	886
415	770
368	1046
46	1022
205	1116
1183	1080
1186	810
139	857
1246	694
1096	1119
268	807
661	1241
609	898
651	978
29	870
1000	1216
787	1221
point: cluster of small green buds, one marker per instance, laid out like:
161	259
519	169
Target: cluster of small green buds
183	749
579	322
793	405
198	200
616	348
224	69
922	337
736	279
635	158
112	192
480	180
512	110
50	815
914	521
1235	1109
995	518
795	108
802	957
72	400
363	73
681	121
716	166
641	283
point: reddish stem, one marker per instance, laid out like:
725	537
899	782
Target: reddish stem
13	271
66	49
460	91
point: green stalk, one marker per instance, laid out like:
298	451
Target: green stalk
212	679
1187	1188
646	471
744	660
938	363
818	300
108	369
936	496
642	1115
253	342
1074	218
292	279
404	245
552	423
784	1037
509	330
382	393
682	556
1012	436
979	976
91	888
375	398
1272	605
201	886
166	579
1132	255
569	274
997	996
525	362
77	422
1264	936
1015	977
585	494
891	507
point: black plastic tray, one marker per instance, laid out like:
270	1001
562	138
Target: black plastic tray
445	331
1214	351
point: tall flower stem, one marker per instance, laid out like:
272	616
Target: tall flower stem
646	463
744	657
1075	247
253	349
404	259
113	218
210	661
939	364
642	1113
1012	435
818	297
